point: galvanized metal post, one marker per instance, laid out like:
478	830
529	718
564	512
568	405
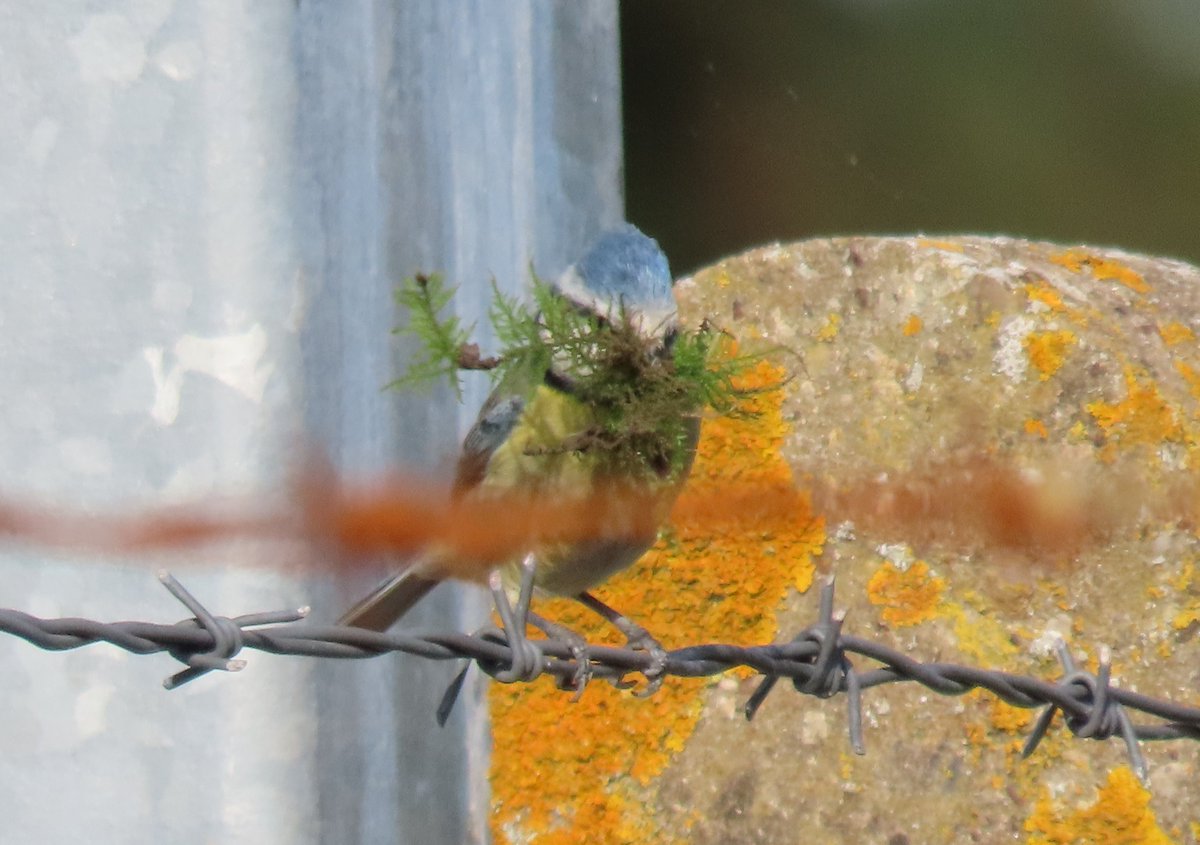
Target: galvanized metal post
204	209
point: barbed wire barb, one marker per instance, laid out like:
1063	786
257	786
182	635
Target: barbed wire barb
831	671
226	634
1105	717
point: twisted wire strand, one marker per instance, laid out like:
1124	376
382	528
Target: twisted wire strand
818	662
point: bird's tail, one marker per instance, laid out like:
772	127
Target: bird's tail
384	605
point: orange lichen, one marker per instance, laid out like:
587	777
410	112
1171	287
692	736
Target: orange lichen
1191	376
1102	268
946	246
1036	428
583	772
1005	717
1183	581
979	636
1046	295
1048	350
976	733
1175	333
912	326
1120	815
829	331
1143	416
909	596
1187	617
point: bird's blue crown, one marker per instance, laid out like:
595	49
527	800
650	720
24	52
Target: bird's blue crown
625	265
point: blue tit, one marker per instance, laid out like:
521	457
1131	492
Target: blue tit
520	441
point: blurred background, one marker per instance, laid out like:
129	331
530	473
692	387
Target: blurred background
1074	121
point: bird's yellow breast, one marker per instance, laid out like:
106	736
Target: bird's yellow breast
537	458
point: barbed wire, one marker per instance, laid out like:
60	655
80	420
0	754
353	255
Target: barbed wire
817	662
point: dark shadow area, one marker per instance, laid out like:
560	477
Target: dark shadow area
748	122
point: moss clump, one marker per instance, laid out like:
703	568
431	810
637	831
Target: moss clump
645	388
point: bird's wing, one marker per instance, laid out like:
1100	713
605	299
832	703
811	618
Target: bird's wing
384	606
497	418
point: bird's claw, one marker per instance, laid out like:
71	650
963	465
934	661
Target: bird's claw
639	639
580	653
583	671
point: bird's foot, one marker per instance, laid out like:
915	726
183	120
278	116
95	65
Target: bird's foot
580	652
639	639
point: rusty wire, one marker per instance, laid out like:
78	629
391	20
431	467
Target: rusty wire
817	662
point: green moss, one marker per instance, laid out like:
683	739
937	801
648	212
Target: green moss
645	395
